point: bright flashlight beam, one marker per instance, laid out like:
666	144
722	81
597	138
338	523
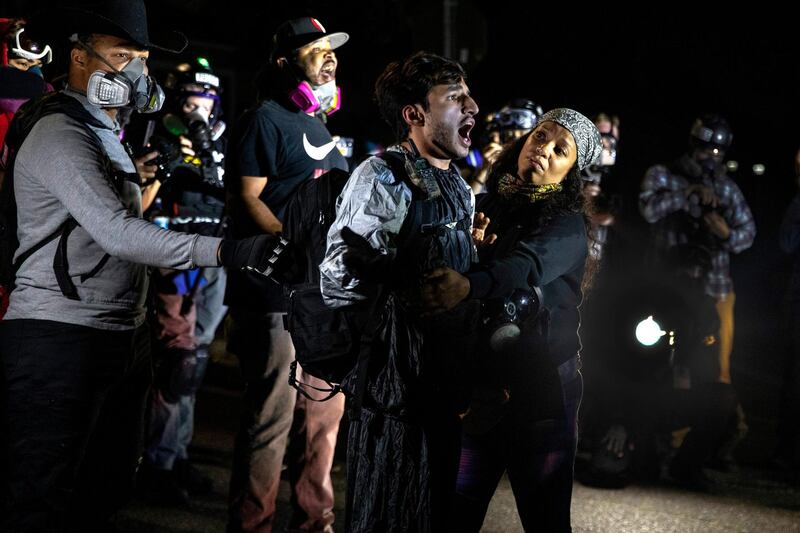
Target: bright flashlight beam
649	332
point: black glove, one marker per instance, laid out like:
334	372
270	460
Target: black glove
364	261
263	254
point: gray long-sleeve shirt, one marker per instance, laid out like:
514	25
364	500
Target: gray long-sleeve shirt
59	172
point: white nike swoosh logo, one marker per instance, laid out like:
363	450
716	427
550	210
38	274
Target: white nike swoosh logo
317	152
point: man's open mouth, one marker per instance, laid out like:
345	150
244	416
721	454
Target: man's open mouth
328	71
464	131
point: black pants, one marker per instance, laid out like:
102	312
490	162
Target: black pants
72	414
401	473
537	454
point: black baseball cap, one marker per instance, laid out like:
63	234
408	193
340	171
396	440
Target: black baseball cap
296	33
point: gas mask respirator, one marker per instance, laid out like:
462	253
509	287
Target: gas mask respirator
325	98
129	87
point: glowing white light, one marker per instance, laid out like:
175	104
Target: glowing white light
649	332
758	169
733	166
206	78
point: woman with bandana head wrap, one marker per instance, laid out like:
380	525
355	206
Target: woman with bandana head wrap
523	415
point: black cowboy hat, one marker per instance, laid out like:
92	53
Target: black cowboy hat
121	18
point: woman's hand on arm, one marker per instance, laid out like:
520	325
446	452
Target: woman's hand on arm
479	225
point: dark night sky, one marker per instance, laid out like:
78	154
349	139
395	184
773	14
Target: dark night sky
656	69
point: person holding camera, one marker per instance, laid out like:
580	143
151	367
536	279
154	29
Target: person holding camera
700	217
183	171
602	206
523	414
184	150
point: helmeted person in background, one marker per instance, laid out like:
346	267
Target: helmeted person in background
501	127
280	144
20	80
187	136
188	186
20	50
512	121
392	228
700	217
74	345
21	57
602	209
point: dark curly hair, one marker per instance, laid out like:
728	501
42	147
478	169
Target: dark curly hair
408	82
570	199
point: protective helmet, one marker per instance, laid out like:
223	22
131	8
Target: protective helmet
195	78
520	114
711	131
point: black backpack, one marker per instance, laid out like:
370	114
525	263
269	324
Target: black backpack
329	343
24	120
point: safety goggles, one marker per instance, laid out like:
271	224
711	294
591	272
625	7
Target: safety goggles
30	50
522	119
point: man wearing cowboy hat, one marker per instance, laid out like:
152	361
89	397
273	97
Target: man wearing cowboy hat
74	348
282	143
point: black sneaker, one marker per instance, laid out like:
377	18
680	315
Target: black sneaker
195	482
160	487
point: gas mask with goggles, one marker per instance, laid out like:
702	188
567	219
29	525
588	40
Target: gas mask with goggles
129	87
502	317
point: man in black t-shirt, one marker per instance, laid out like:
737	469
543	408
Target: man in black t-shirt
280	144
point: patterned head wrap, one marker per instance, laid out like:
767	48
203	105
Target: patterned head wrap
583	130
